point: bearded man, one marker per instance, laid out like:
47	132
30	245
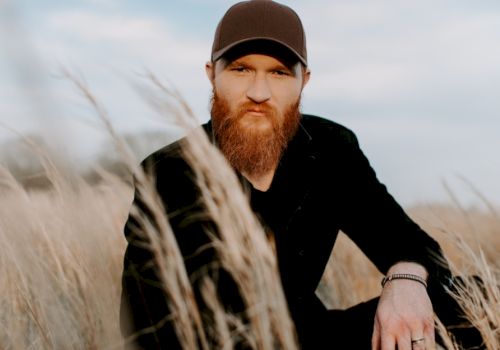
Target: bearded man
307	179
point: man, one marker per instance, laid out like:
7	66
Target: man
307	179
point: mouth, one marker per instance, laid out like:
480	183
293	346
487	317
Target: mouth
256	112
255	117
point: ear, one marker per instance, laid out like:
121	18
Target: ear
210	70
306	75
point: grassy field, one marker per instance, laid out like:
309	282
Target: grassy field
62	250
60	262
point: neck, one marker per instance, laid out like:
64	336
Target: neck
261	182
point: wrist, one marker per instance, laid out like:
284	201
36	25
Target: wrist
408	267
406	270
403	276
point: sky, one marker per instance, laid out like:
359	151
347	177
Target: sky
417	81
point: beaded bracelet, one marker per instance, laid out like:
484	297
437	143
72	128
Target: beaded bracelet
403	276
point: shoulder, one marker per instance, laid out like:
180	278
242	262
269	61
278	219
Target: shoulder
169	160
169	156
163	158
323	131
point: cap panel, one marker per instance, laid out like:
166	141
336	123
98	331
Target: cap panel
260	19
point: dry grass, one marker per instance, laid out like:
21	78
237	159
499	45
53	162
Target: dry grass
471	240
463	235
240	244
62	251
61	262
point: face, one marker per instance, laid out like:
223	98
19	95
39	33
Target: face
255	108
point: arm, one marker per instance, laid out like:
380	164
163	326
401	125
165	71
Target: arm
151	273
146	297
380	227
144	307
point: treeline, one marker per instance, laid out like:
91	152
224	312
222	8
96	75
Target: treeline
27	159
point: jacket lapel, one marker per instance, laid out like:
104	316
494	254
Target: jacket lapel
295	174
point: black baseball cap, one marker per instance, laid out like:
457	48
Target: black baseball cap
265	20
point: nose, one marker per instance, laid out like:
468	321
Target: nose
259	90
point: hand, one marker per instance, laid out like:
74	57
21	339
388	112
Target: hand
404	313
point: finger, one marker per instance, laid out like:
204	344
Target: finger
387	341
404	341
429	334
418	339
376	337
418	344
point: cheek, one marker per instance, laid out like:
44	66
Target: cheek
289	95
230	90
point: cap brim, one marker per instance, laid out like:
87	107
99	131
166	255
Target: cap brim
218	54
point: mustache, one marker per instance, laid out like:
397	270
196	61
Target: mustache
256	107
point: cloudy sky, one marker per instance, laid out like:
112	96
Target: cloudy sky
418	81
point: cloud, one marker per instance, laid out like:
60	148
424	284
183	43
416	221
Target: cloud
413	157
105	3
100	45
419	87
95	26
382	57
129	36
418	77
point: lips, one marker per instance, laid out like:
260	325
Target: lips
257	111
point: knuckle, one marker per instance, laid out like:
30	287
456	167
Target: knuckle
383	318
429	323
393	326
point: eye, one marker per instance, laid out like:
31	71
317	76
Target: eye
281	72
239	69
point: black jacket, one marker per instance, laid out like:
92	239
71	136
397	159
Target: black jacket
323	184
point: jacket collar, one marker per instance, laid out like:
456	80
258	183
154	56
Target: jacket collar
293	178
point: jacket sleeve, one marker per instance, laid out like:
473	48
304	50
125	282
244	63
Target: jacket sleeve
377	223
144	312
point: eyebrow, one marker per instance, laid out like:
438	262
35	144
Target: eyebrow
237	63
276	67
282	67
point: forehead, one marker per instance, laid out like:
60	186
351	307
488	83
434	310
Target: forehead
262	47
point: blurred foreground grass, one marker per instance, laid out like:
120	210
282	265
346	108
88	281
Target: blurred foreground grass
60	261
62	249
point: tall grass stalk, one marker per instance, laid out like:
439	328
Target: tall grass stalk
242	246
60	261
155	233
241	243
478	293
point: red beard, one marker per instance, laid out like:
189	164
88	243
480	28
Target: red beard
253	151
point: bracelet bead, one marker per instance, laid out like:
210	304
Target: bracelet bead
403	276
